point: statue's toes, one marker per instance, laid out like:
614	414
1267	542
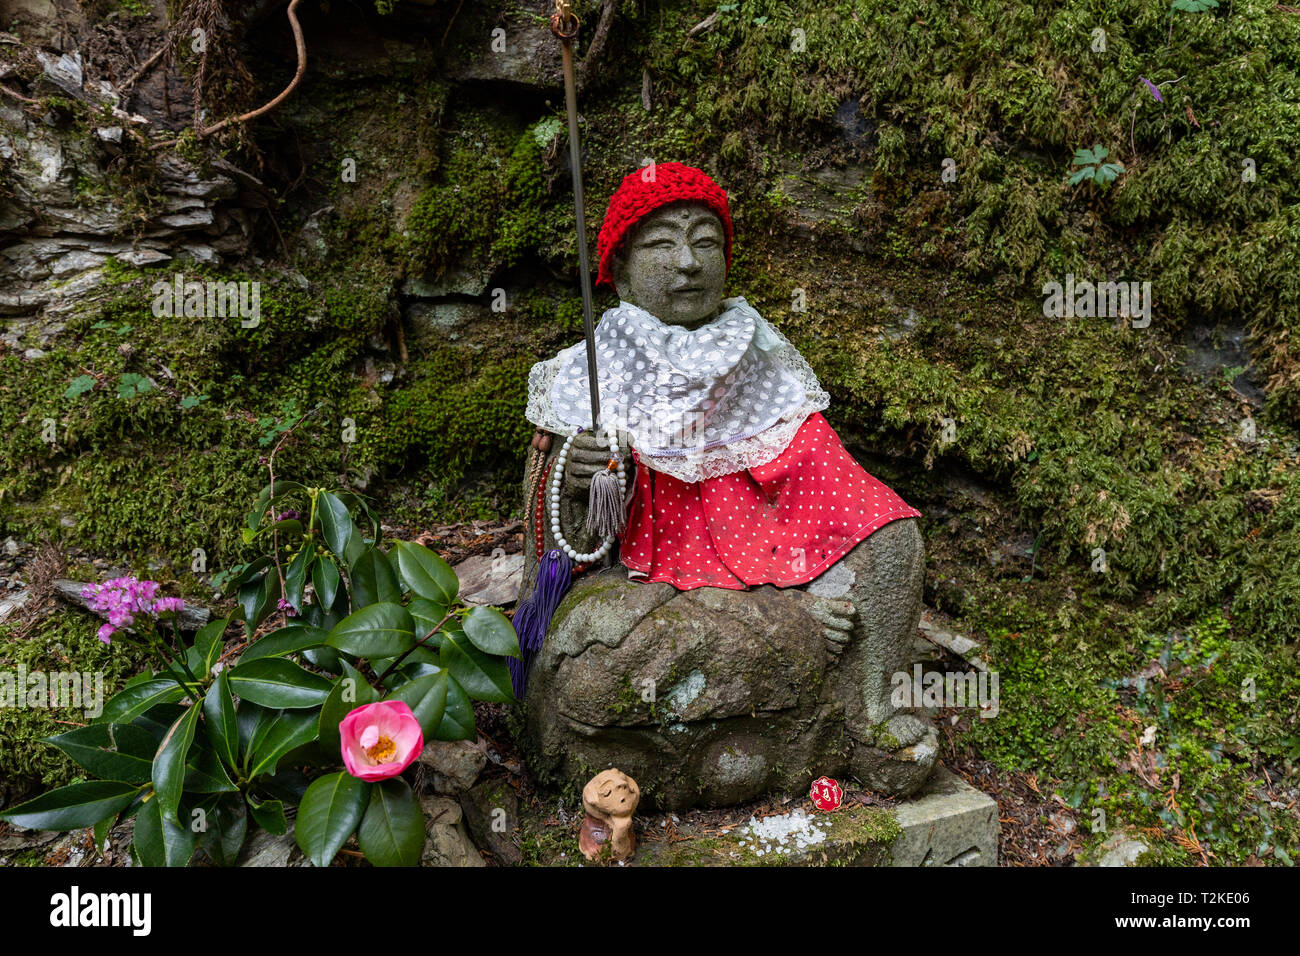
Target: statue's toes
908	729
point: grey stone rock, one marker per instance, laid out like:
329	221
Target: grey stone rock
492	813
834	583
851	836
456	764
13	603
469	279
488	579
947	823
715	696
144	256
525	56
63	71
444	320
1119	849
267	849
447	843
959	644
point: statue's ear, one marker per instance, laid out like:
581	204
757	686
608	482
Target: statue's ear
618	272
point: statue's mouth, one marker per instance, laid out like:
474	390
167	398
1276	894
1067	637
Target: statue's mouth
690	290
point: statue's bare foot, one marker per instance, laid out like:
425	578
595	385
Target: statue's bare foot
907	729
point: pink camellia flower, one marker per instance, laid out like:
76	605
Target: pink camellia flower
380	740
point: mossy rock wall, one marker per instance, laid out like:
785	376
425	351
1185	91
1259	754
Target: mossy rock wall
415	245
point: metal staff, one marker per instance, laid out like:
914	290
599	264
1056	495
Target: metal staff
564	24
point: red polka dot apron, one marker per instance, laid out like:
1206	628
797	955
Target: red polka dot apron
782	523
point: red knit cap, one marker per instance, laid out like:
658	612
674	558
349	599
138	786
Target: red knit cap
635	199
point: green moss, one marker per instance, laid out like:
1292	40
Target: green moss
175	467
63	641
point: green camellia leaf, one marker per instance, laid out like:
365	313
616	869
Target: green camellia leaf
325	578
457	716
330	810
324	658
208	645
426	574
349	692
72	807
269	815
352	501
263	500
286	640
379	630
110	751
427	698
335	523
257	599
356	547
161	842
254	724
275	682
295	576
157	722
102	829
169	763
483	677
373	580
225	826
205	773
288	730
427	615
136	699
247	571
392	831
491	632
220	720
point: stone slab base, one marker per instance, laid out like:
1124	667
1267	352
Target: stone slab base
947	823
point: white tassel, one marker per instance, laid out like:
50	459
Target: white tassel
605	514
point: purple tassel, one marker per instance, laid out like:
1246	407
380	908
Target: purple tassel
533	616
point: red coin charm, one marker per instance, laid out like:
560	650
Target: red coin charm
826	794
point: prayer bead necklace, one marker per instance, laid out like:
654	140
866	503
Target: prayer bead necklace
558	474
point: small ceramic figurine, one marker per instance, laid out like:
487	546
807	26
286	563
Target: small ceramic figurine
610	799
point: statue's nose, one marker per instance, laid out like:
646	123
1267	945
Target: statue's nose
687	261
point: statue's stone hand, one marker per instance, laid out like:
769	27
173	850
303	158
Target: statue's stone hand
838	618
587	456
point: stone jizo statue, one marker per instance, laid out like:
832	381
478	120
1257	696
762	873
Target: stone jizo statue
766	586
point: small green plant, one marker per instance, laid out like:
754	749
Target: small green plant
377	657
275	427
80	386
1094	168
130	385
546	130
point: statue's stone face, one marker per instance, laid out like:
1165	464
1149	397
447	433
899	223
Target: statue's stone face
673	264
